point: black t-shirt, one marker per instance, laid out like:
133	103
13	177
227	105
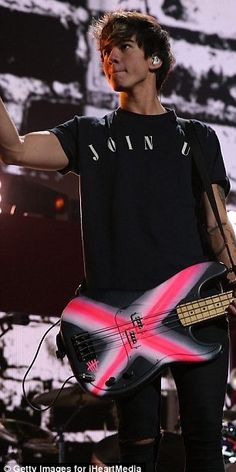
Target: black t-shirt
139	195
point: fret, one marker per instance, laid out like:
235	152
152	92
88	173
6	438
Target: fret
203	308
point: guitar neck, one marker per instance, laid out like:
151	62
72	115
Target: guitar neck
203	309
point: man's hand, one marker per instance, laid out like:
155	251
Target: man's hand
37	150
232	306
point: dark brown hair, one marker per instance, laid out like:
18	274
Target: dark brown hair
121	25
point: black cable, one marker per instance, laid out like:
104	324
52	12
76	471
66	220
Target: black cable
35	407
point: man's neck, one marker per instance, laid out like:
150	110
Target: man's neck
142	107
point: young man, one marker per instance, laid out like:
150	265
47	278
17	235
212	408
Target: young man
140	204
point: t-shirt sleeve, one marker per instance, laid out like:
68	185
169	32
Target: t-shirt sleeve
67	134
212	151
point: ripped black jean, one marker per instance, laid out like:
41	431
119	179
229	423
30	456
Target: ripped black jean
201	392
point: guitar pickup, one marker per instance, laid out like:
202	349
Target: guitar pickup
131	336
137	320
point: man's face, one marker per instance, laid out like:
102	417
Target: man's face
124	64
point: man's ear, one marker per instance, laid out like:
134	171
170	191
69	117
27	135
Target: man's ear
155	62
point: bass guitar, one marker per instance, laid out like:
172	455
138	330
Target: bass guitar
113	350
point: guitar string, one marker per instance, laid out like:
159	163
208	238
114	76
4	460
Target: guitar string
160	313
118	343
140	335
211	299
152	315
175	317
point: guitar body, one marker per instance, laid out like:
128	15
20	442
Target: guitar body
113	350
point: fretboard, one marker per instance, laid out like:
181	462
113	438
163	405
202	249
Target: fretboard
204	308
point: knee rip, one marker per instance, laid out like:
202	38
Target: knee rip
142	441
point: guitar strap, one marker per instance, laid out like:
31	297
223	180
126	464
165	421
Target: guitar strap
190	131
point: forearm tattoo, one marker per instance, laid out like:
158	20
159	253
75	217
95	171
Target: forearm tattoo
229	234
221	195
218	244
232	239
211	230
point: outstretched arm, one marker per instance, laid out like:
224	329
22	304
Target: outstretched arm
38	150
215	238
